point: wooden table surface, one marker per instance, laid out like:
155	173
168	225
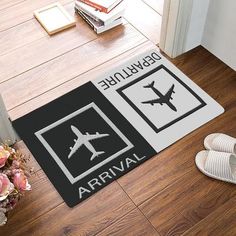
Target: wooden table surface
166	195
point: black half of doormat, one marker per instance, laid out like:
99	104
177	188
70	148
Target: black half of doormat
82	142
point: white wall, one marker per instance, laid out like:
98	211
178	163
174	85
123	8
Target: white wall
183	24
196	24
219	35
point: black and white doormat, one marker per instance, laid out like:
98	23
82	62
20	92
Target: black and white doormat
91	136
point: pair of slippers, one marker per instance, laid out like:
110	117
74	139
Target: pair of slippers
219	160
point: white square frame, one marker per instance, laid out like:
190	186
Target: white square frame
70	177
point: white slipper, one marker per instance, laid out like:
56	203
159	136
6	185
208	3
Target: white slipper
220	142
218	165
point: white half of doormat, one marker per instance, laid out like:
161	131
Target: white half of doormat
161	102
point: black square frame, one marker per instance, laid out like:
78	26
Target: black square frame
156	129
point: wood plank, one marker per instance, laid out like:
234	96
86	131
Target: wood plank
87	218
213	76
220	222
56	92
204	68
20	35
30	31
44	49
152	176
8	3
176	226
21	12
150	26
40	200
187	198
157	5
134	223
199	210
190	62
42	78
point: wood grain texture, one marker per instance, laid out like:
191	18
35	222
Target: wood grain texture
20	35
134	223
58	91
188	199
61	69
87	218
22	12
45	49
193	210
30	31
220	222
8	3
135	13
176	159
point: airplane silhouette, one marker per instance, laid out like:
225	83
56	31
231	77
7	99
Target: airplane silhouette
84	139
162	98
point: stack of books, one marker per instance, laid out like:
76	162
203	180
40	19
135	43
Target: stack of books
101	15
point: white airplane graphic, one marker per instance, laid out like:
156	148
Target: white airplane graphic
163	98
84	139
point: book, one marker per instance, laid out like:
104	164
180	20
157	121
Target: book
98	26
102	5
117	12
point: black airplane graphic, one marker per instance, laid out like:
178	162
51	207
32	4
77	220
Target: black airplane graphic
162	98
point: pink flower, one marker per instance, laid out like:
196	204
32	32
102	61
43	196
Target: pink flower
6	186
4	154
21	182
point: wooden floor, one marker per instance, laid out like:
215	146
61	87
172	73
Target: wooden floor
166	195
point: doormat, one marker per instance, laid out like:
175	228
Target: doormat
96	133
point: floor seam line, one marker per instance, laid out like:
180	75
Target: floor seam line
11	5
35	219
152	8
115	221
47	61
138	208
51	59
73	78
156	194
